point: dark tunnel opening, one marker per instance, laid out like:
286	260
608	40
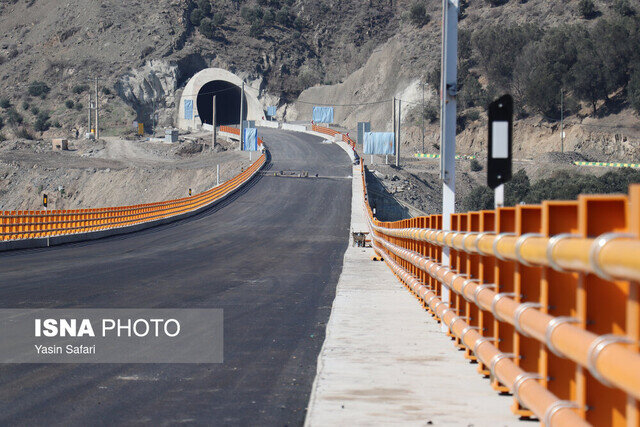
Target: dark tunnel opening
227	103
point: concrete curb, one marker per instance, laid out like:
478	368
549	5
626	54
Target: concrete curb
44	242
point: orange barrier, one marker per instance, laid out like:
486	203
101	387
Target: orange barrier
16	225
331	132
544	297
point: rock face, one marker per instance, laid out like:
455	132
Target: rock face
151	90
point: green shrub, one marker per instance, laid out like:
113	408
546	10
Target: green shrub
42	122
57	124
516	190
475	165
418	14
205	7
5	103
35	110
623	8
196	17
283	17
24	134
479	198
634	90
256	30
587	9
206	28
69	104
78	89
13	117
25	105
2	137
1	122
37	88
219	19
79	106
106	91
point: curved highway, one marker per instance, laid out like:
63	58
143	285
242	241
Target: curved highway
270	257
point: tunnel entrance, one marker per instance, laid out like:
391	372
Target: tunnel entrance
227	103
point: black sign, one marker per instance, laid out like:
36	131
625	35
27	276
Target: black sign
189	191
500	141
45	200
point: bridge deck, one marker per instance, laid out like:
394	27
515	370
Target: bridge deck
385	360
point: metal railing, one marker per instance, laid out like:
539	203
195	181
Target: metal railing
545	298
17	225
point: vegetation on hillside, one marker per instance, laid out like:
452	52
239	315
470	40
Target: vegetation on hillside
562	185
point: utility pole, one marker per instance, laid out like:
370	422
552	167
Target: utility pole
213	122
241	118
153	119
562	120
399	132
217	174
422	115
89	115
448	93
97	113
395	132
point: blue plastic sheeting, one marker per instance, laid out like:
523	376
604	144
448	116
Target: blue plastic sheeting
250	139
188	109
378	143
323	114
271	111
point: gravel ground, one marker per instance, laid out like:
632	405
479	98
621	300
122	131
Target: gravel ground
111	172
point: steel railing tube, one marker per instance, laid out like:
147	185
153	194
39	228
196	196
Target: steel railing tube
532	394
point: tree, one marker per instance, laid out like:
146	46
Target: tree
1	122
196	17
589	76
418	14
634	89
13	117
42	123
587	9
498	47
624	8
69	104
479	198
40	89
218	19
5	103
205	7
517	189
206	28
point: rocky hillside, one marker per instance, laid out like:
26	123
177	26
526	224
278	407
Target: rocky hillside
322	51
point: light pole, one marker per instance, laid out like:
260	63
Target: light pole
422	115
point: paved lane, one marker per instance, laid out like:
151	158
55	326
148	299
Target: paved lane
270	258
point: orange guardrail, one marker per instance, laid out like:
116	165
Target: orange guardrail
545	298
332	132
17	225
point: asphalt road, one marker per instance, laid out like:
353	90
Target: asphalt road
270	257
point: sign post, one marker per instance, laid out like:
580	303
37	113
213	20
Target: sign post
45	202
448	101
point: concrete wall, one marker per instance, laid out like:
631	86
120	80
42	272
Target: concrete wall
255	109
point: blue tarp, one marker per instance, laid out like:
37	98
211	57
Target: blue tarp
188	109
250	139
271	111
323	114
378	143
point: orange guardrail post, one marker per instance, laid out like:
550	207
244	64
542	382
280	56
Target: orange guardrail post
607	308
504	275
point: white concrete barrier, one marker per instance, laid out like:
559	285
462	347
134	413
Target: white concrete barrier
296	128
268	124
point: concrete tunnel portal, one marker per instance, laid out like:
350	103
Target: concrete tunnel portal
227	103
226	86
